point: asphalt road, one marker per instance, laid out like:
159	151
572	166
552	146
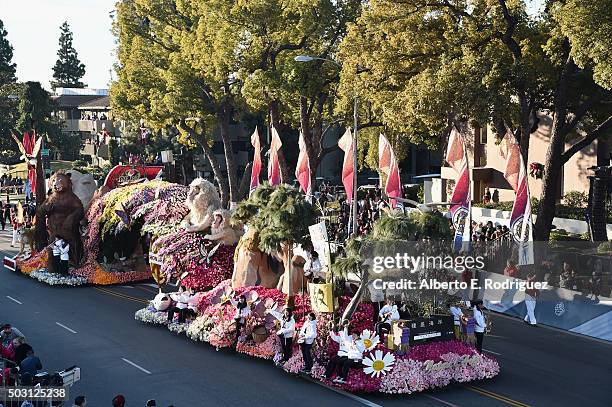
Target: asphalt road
95	329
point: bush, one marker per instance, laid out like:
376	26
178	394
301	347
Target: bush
605	247
576	199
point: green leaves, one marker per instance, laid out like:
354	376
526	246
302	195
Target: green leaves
280	214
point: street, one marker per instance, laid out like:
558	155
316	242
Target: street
95	329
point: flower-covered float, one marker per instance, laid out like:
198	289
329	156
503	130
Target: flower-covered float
126	223
391	363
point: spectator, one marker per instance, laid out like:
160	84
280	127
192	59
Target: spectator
31	364
21	349
80	401
595	281
9	333
511	270
119	401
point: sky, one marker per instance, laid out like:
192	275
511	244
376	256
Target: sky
33	31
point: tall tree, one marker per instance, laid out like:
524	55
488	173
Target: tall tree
420	65
165	77
8	105
268	35
68	70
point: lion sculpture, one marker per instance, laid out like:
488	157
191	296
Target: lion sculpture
202	200
63	212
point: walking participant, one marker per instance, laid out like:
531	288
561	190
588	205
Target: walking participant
530	301
456	312
286	331
480	324
308	333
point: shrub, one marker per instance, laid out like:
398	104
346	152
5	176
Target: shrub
576	199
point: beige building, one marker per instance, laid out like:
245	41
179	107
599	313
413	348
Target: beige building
487	165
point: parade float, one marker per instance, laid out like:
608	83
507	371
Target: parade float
419	353
110	243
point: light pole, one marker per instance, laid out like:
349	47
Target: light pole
308	58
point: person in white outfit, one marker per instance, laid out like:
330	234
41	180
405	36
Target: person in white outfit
387	315
531	295
354	356
308	333
313	268
56	253
243	310
286	331
341	338
64	257
181	305
480	324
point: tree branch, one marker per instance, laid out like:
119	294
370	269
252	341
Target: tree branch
588	139
584	109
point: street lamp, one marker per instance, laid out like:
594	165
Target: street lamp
308	58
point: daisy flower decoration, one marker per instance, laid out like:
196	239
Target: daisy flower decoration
377	364
369	339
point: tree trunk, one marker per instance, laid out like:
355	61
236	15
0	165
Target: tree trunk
212	160
275	119
224	115
554	162
245	183
352	306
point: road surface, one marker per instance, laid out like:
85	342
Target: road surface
94	328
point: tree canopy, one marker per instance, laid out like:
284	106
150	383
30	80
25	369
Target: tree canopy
68	70
8	105
420	66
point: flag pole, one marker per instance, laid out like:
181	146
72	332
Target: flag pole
354	206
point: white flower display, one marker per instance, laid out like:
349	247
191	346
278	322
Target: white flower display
57	279
148	316
377	364
369	339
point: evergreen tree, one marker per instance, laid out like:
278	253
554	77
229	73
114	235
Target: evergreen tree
68	70
8	149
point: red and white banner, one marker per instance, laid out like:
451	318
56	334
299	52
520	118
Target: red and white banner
346	144
274	173
302	169
511	152
28	145
456	156
387	163
520	217
256	169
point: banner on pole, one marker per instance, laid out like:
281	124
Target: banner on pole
460	207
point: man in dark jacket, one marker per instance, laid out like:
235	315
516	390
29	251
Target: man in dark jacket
31	364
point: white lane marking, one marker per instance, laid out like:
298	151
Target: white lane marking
446	403
66	328
151	285
127	286
490	351
344	393
12	299
129	362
